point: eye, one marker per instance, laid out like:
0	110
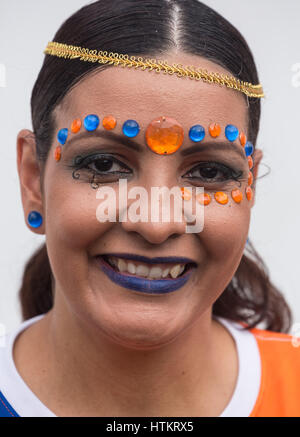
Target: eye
101	166
213	172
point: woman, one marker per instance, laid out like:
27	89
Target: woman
142	318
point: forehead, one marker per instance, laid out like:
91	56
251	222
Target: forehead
126	93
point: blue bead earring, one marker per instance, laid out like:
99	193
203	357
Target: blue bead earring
35	219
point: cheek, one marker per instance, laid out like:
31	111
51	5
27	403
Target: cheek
70	215
225	231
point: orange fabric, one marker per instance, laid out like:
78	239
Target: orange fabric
279	394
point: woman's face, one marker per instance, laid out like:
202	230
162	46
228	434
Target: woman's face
75	236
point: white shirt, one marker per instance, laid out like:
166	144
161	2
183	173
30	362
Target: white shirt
26	403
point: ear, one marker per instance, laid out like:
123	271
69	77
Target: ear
257	157
29	177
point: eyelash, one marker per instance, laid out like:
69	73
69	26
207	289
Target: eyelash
82	163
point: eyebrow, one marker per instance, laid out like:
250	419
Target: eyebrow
134	145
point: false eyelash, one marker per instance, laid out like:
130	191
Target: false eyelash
82	162
231	174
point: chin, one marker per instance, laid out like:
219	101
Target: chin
140	335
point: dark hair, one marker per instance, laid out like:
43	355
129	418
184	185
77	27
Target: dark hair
151	28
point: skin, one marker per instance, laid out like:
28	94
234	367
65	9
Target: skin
104	350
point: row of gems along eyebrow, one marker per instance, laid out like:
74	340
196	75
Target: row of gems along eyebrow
164	136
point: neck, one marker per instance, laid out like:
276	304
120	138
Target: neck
87	373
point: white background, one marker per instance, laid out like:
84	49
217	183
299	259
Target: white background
271	28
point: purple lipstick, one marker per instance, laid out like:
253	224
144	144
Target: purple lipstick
143	284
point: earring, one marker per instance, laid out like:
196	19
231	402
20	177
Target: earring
35	219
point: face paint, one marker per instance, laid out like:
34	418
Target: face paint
164	136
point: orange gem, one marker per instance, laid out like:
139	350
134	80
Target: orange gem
186	194
250	162
109	122
243	139
203	198
221	197
250	178
164	135
214	130
237	196
249	193
57	153
76	126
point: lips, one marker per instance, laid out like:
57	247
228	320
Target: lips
148	285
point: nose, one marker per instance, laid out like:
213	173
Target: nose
155	233
160	217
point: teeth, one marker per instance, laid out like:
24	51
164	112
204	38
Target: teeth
122	265
142	271
131	268
174	272
165	272
154	272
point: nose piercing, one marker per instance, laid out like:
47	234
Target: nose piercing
35	219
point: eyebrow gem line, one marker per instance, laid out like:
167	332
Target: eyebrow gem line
164	136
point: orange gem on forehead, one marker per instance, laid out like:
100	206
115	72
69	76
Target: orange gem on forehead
109	122
76	125
57	153
214	130
164	135
243	139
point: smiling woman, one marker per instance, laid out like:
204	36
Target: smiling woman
140	317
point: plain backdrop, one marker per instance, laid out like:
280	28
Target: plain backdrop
272	30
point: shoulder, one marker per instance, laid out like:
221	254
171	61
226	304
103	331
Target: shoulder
280	377
270	341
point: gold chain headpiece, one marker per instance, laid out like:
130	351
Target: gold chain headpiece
103	57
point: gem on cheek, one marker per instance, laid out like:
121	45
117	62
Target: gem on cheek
214	130
250	178
249	193
237	196
164	135
203	199
250	162
185	193
221	197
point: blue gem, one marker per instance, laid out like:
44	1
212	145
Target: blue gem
231	132
62	136
197	133
35	219
91	122
130	128
248	148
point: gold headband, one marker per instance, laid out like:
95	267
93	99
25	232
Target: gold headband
74	52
